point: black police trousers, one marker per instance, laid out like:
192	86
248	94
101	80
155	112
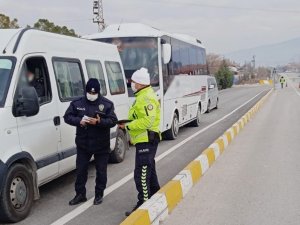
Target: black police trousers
82	164
145	176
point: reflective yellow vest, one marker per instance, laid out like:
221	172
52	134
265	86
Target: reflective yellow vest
145	116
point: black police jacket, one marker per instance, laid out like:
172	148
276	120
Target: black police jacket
92	138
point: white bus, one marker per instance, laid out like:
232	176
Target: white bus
176	64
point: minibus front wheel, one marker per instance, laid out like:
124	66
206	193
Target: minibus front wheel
17	195
118	154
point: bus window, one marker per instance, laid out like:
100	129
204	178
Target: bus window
115	78
138	52
95	70
185	58
193	59
176	64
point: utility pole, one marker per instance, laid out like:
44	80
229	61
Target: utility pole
252	64
273	76
253	61
98	14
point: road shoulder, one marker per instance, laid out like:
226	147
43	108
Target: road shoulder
256	181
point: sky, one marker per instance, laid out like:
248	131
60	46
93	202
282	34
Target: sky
223	25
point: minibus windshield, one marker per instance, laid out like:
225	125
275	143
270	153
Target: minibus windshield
6	67
137	52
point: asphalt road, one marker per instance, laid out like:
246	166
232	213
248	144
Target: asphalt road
55	195
257	179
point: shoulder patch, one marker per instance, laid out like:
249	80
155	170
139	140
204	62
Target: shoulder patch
150	107
101	107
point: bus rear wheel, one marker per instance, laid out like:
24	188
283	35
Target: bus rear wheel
17	196
172	133
197	121
208	107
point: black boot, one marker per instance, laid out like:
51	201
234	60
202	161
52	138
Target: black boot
128	213
98	199
78	199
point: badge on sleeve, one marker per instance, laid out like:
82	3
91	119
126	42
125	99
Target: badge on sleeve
101	107
150	107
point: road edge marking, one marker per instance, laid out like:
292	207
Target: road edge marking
202	159
175	190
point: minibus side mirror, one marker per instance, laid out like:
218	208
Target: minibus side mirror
166	53
27	104
211	86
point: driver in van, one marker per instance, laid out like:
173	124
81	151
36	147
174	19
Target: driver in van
33	82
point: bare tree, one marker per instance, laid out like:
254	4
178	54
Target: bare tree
214	62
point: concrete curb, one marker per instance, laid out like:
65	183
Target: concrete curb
162	203
268	82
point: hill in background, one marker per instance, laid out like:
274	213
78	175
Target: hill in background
270	55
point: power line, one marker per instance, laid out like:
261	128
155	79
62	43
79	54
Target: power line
189	4
228	7
76	20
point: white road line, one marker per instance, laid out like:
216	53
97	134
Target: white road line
85	206
292	84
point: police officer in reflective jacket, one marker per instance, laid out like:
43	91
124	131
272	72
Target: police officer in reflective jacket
145	135
93	116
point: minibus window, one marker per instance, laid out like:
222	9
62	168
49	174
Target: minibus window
95	70
6	67
115	78
35	74
69	79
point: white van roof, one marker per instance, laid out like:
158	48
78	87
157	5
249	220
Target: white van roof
31	40
139	30
6	35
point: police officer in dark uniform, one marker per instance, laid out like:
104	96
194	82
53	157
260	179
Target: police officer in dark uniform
93	116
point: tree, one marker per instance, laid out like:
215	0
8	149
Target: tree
46	25
214	62
6	22
263	72
224	76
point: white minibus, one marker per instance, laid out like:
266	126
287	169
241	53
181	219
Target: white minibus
212	93
36	145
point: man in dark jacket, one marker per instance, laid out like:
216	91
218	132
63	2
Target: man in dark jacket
37	84
93	116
